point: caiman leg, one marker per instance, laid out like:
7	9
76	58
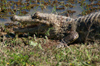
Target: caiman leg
73	35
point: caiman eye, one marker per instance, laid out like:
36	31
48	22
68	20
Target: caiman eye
33	17
11	18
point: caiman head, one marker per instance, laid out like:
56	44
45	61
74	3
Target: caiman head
43	23
38	24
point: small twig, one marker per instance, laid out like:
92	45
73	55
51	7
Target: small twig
65	44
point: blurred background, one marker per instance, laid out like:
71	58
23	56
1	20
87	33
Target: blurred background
72	8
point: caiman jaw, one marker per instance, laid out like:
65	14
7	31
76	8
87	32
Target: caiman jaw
32	27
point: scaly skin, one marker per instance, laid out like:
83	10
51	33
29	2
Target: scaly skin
60	27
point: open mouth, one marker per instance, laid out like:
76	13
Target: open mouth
28	27
36	23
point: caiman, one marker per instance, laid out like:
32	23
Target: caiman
66	29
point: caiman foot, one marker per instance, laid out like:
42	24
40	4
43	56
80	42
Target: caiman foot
73	35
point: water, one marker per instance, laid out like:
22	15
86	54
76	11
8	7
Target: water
78	9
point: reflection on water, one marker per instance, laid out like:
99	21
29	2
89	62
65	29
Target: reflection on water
72	8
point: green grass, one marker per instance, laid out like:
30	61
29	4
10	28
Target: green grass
28	55
33	51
